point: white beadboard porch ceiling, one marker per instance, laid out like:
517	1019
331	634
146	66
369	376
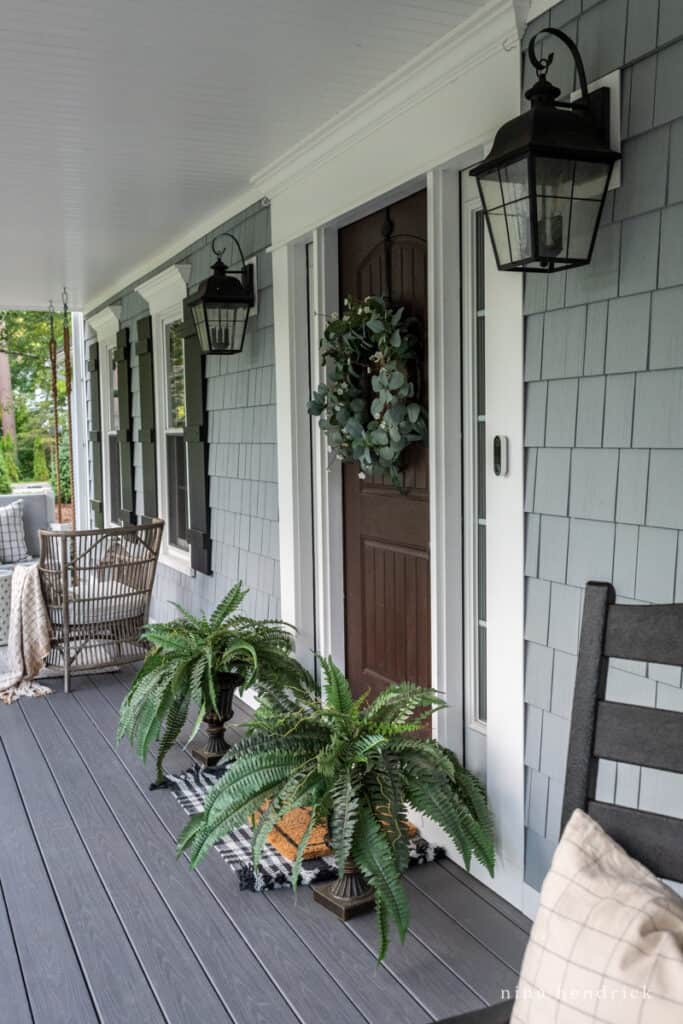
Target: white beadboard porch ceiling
127	122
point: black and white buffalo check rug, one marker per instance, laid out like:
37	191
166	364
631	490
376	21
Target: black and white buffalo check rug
275	871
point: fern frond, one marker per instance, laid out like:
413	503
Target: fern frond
373	856
337	689
230	603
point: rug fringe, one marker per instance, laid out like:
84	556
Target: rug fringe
27	688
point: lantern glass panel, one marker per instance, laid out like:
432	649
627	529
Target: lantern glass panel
489	184
554	176
499	234
200	324
514	181
519	230
583	225
591	179
225	327
553	220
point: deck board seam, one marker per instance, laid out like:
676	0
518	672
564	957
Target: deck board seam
144	868
199	873
346	994
412	995
10	925
469	986
51	883
394	975
463	927
483	896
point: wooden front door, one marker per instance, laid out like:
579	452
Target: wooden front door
386	533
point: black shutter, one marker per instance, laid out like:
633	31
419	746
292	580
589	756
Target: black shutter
196	423
96	503
122	360
146	433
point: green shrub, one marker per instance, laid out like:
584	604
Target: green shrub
5	481
8	449
25	455
64	478
40	470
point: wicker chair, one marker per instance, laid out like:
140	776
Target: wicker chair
97	586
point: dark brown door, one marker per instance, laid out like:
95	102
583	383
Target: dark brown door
386	533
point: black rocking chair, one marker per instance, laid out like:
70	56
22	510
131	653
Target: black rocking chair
619	732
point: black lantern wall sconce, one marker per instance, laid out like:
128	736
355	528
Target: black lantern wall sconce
544	183
220	307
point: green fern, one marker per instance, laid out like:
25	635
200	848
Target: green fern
187	654
355	763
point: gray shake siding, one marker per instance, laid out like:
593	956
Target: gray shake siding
242	443
604	412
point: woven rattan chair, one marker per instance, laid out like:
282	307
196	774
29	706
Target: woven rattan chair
97	586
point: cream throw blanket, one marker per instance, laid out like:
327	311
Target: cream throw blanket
29	637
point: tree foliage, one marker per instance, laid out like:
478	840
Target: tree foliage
25	334
9	456
40	470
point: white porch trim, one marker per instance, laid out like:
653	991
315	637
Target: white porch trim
81	495
164	294
293	449
105	324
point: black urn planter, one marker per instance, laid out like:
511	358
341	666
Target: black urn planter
348	896
225	684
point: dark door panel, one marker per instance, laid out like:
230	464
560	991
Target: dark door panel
386	533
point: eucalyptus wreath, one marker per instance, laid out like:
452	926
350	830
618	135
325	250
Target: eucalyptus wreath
367	405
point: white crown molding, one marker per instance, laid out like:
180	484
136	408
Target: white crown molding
166	288
224	213
450	57
106	322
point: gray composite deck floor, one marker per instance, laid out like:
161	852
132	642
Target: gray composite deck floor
100	922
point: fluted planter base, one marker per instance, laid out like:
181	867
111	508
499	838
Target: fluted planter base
348	896
216	747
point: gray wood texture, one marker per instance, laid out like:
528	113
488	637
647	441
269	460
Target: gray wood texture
627	733
102	923
56	988
12	989
638	735
645	633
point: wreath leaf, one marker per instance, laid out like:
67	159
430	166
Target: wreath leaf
370	353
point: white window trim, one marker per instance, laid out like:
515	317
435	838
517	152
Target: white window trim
164	294
105	324
80	424
469	473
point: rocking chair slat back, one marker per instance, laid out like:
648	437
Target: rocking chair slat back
648	737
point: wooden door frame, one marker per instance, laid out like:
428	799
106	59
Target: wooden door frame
310	494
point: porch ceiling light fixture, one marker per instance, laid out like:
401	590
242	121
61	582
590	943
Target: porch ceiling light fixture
543	185
220	306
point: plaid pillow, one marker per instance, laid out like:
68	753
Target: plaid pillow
607	942
12	540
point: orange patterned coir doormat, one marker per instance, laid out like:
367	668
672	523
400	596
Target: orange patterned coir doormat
289	831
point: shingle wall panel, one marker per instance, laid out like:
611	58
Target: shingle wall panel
613	330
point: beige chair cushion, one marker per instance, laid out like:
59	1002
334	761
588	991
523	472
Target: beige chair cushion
607	942
101	601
